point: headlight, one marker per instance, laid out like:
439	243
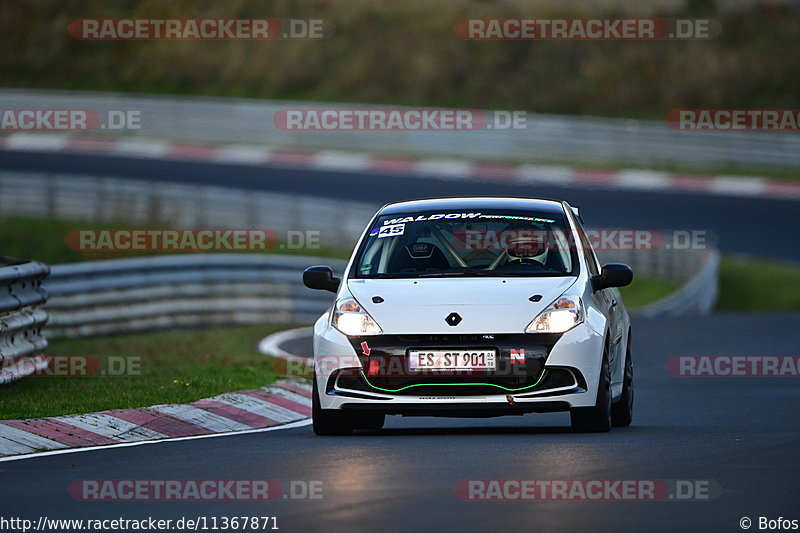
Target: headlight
560	316
351	319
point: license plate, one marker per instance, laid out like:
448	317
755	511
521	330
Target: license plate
452	359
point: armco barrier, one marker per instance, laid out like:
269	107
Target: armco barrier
192	290
547	138
698	295
21	318
139	203
189	290
150	204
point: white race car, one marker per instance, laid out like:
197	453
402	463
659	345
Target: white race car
472	307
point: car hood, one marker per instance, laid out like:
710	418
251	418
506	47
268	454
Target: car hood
485	305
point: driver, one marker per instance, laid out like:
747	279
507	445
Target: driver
527	245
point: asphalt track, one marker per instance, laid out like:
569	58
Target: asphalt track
758	226
739	433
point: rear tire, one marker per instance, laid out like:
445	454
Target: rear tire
622	411
596	419
328	421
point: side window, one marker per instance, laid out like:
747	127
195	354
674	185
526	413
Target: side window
586	248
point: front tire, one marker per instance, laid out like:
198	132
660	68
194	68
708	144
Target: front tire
596	419
622	411
328	421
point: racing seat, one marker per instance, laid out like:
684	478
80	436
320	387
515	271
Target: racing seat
418	257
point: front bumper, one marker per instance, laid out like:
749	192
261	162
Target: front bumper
559	372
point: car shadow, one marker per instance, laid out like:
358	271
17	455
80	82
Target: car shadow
434	426
474	430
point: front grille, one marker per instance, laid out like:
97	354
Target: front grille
553	378
385	366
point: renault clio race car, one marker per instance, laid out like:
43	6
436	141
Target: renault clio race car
472	307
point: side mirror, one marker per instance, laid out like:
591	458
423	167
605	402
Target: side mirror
612	275
320	278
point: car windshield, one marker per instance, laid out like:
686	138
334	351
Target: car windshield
466	243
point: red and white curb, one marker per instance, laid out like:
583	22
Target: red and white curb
286	402
441	168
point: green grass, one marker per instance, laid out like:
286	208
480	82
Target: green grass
746	284
751	284
644	291
175	367
44	240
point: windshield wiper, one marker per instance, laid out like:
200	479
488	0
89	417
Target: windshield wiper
438	274
456	273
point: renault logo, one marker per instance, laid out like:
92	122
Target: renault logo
453	319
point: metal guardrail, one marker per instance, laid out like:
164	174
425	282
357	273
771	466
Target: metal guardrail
670	264
21	319
195	290
175	291
160	292
698	295
138	203
548	138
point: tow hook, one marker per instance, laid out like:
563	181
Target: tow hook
510	399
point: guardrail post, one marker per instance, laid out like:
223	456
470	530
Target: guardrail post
21	319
